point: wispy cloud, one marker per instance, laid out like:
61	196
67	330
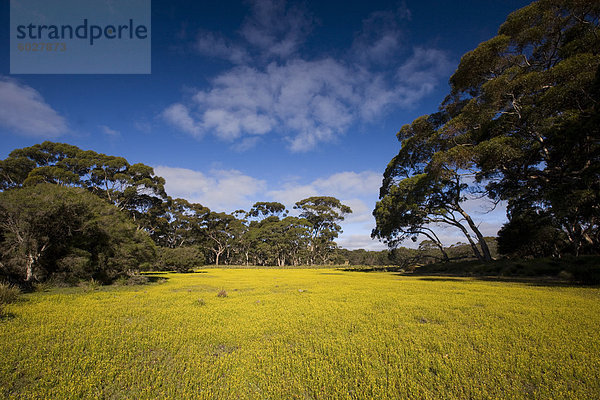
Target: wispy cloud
109	131
274	89
24	111
215	45
276	28
380	39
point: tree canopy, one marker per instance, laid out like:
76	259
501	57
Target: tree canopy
520	124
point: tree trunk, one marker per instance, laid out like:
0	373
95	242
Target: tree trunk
29	267
487	257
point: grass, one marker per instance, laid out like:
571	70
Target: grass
304	334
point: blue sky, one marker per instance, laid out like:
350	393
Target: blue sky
263	100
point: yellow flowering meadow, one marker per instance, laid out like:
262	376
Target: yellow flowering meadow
303	334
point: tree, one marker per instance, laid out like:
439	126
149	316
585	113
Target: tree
265	209
323	214
427	183
218	232
130	187
522	118
50	230
527	101
531	233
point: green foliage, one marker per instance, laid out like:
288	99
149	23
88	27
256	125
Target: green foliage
521	123
531	234
528	103
180	259
133	188
581	270
63	233
323	214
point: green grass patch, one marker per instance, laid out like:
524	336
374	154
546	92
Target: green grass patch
304	334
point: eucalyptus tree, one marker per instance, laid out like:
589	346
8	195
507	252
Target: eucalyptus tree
522	118
130	187
218	233
323	213
428	183
528	101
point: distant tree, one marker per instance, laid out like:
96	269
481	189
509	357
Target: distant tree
265	209
218	233
181	224
323	214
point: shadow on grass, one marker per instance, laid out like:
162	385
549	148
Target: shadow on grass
7	316
373	269
154	279
581	271
540	281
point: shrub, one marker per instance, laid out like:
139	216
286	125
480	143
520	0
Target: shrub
137	280
8	293
222	293
90	285
180	259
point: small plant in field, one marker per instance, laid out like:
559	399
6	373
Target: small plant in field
42	286
120	281
90	285
137	280
8	293
200	302
222	293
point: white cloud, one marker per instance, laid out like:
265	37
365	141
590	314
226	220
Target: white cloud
246	144
215	45
276	28
178	115
306	100
219	190
23	110
380	39
310	102
109	131
343	185
360	241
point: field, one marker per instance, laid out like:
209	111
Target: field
304	334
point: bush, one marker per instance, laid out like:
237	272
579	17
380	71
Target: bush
137	279
74	234
8	293
180	259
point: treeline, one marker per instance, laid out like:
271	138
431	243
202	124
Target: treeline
71	214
